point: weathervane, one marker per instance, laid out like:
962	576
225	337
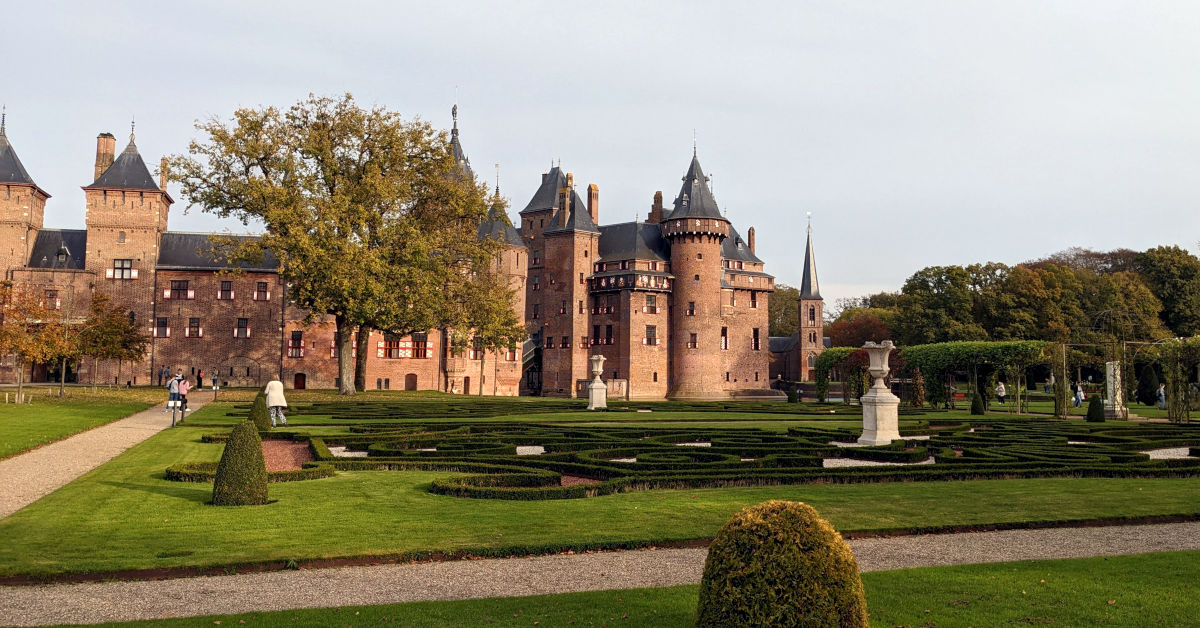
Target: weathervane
3	118
693	142
809	214
132	124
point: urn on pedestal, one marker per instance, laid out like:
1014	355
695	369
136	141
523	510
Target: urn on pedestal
881	409
597	389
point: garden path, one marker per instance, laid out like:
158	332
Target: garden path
28	477
463	579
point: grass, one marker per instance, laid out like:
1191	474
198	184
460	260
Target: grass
1142	590
49	418
125	515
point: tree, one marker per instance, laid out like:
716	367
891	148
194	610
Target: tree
783	310
1147	386
936	306
28	330
108	333
855	327
363	210
1173	275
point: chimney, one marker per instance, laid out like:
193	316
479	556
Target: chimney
164	169
594	202
106	148
656	210
750	239
564	198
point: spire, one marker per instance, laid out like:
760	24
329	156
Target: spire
497	180
132	124
460	156
808	282
11	169
695	198
3	118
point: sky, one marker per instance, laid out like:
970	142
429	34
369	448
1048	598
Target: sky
916	133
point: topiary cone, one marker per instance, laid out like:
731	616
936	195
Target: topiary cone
260	414
1095	411
780	564
242	473
977	406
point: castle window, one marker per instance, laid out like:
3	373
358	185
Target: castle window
260	291
581	279
754	344
122	269
655	376
391	346
121	236
536	310
651	306
756	376
537	283
566	342
549	342
726	375
753	299
585	253
725	338
812	359
161	330
699	256
52	301
510	355
476	352
562	309
581	308
812	315
624	264
179	290
691	309
296	344
420	346
608	334
552	279
697	277
692	344
242	330
226	291
651	335
595	334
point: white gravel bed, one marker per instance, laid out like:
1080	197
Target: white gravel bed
622	459
342	452
1170	453
834	463
695	444
530	450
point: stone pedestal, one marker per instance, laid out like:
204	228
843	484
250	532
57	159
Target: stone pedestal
597	389
1114	401
881	409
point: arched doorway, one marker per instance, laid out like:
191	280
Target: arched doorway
299	381
410	381
467	385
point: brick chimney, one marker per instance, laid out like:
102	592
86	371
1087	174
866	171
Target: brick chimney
656	210
164	169
106	150
564	200
750	239
594	202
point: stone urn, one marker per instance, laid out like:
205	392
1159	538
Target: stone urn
597	389
881	409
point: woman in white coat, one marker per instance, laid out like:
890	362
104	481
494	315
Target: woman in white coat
276	401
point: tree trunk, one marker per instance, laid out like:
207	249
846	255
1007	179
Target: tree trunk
482	359
20	380
62	378
94	367
360	361
345	335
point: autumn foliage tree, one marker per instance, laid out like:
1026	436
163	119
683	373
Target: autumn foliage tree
29	330
363	209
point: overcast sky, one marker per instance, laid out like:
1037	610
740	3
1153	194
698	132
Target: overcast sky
917	133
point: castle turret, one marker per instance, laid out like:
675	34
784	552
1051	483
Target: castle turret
811	311
696	229
22	205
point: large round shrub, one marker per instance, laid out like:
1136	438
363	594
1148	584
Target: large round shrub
241	478
1095	412
780	564
259	413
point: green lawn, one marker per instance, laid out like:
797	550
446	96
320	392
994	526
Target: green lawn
125	515
25	426
1144	590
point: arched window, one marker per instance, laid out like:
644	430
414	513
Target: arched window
812	360
812	315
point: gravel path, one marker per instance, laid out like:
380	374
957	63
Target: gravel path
380	584
27	477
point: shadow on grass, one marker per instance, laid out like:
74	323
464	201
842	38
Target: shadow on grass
186	491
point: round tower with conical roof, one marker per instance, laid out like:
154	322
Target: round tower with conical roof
696	229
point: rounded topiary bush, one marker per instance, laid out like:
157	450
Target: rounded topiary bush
793	395
977	404
241	478
1095	412
259	413
780	564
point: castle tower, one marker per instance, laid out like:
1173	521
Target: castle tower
696	230
22	205
811	311
126	216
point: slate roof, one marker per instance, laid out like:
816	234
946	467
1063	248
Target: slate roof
808	282
632	240
499	227
460	156
46	246
578	218
695	199
783	344
735	248
546	196
11	169
193	251
128	172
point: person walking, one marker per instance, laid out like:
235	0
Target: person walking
276	401
164	374
1162	396
173	390
1000	391
200	378
184	387
1078	394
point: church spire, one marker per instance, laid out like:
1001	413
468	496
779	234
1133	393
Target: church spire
808	282
3	118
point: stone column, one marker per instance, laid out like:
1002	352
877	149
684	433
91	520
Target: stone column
1114	402
597	390
881	409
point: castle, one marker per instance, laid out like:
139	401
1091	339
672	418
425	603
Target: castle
677	304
